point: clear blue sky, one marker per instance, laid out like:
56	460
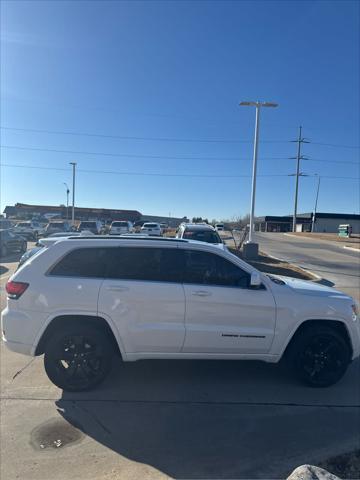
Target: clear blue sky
177	70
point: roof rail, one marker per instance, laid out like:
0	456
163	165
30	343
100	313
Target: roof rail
128	237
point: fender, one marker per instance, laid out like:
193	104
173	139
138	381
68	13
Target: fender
295	328
79	313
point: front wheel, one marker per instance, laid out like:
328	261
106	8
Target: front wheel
78	358
320	356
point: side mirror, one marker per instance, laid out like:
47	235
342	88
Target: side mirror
255	280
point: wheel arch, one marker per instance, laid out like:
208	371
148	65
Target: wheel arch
70	319
336	324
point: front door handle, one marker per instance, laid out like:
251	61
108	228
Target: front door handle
201	293
117	288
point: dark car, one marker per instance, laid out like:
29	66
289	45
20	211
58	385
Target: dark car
9	243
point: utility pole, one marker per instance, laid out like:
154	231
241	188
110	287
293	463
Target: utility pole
298	157
73	195
67	200
316	202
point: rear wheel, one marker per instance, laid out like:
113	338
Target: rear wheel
78	358
320	356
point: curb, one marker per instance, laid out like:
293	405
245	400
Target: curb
310	272
352	248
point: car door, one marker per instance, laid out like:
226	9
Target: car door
224	315
144	297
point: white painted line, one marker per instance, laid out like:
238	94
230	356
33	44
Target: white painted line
352	248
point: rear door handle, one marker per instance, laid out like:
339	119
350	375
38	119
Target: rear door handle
201	293
117	288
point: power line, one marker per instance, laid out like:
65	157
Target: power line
164	157
161	139
125	137
146	174
129	155
335	145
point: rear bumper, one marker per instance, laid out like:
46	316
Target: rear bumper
18	347
18	331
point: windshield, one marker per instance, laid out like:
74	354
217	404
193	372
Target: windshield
23	224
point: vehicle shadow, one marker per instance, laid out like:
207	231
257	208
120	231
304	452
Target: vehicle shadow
213	419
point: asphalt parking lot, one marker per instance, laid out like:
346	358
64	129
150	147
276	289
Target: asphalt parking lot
180	419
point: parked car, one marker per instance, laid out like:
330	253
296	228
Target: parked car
30	230
202	232
57	226
93	226
10	242
121	227
219	227
164	298
151	229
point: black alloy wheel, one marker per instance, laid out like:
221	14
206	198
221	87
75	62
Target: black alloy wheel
78	359
321	357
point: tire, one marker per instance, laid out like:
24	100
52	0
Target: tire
78	358
319	356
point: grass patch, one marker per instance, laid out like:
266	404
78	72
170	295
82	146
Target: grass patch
270	265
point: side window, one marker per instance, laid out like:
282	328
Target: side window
152	264
210	269
82	262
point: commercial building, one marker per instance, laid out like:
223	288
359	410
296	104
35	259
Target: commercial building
26	211
324	222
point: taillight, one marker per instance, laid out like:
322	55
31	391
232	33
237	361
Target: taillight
16	289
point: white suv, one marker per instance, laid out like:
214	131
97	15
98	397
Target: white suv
152	229
84	300
121	227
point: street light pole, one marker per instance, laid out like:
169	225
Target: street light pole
316	202
73	195
252	249
253	184
67	200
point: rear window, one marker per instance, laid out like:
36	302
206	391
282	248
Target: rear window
207	236
151	225
87	224
152	264
56	225
119	224
82	262
126	263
